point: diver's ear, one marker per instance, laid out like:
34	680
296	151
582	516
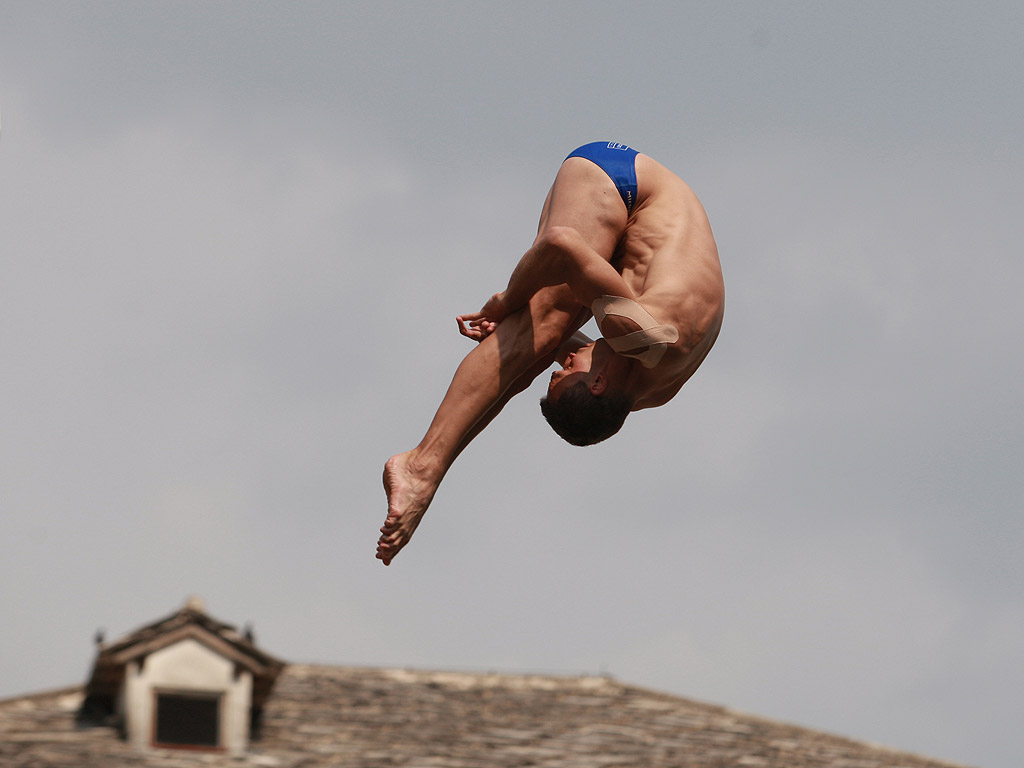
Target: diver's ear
598	384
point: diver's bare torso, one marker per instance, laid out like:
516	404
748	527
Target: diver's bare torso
666	254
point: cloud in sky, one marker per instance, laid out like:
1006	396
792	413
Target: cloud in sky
236	237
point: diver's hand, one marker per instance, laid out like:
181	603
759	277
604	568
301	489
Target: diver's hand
479	325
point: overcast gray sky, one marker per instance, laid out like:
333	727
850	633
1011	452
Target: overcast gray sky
234	239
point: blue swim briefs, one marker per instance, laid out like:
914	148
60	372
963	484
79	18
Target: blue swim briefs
618	161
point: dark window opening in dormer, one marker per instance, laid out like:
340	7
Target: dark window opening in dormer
187	720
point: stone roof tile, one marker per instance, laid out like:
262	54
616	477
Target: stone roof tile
345	717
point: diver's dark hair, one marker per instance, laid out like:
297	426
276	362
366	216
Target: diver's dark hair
581	418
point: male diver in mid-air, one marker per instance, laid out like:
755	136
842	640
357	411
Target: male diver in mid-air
622	239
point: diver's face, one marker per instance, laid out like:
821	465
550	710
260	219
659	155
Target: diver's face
576	367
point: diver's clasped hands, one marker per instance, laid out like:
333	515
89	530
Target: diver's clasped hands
479	325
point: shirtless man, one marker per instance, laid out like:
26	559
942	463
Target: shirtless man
620	236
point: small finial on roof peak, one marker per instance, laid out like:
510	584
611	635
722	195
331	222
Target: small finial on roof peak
195	603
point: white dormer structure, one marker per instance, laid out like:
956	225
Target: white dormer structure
187	681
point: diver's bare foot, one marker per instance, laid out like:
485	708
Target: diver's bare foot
409	495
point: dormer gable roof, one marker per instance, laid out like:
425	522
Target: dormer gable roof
189	623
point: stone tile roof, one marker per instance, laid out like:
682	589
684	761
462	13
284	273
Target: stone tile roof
342	717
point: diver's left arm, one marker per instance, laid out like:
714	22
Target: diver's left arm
559	256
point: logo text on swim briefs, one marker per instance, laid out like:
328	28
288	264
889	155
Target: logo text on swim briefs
616	145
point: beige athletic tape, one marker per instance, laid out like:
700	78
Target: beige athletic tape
653	335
